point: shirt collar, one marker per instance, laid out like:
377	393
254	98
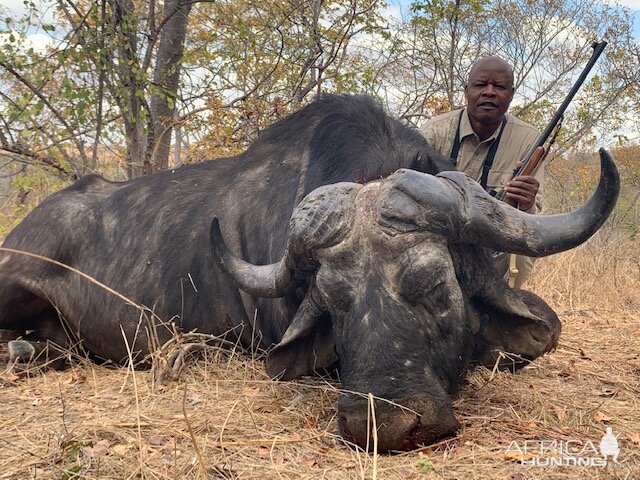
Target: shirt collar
466	130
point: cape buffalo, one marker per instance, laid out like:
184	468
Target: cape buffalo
402	293
390	280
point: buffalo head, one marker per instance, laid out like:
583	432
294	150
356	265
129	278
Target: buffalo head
383	268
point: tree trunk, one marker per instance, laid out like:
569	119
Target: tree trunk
166	78
130	88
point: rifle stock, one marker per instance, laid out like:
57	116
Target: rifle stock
533	161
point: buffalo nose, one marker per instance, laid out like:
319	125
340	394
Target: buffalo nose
399	425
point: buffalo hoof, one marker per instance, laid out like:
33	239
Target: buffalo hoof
400	428
24	354
21	351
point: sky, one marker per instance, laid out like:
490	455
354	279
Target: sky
632	4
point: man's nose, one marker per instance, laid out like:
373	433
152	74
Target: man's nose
489	91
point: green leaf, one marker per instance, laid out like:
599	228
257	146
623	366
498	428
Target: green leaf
425	465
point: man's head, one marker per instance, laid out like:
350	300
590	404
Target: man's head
489	92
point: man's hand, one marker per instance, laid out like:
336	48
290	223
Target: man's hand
521	191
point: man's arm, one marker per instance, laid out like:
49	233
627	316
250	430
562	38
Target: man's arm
523	191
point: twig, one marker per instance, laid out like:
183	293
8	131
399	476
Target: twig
372	412
201	466
135	390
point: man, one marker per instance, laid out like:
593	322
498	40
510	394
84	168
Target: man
487	143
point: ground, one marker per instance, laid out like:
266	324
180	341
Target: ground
224	419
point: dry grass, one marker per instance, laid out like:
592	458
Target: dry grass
223	418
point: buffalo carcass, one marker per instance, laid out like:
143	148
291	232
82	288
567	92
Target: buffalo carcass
401	292
147	239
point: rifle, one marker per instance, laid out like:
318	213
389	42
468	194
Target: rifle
537	152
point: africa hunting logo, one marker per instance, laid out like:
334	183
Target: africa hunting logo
566	453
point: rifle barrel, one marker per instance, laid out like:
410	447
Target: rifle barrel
598	47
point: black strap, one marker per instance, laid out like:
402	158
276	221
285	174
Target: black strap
491	152
455	148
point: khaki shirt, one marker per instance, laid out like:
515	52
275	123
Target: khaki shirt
515	142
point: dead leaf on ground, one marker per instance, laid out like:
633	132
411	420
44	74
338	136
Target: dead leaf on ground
634	437
600	416
561	413
99	449
120	449
156	441
310	463
264	452
168	386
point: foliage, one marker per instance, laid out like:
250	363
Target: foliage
546	41
91	85
109	88
255	62
28	188
628	204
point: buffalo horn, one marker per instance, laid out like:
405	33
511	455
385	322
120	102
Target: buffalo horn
321	220
493	224
270	281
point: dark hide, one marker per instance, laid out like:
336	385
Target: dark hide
146	238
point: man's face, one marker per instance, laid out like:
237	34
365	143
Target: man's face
489	91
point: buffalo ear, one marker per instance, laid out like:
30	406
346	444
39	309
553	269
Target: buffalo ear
307	345
522	324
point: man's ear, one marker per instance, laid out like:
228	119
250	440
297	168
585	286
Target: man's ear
307	345
513	92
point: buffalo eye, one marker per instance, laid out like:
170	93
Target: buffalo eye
335	288
423	278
